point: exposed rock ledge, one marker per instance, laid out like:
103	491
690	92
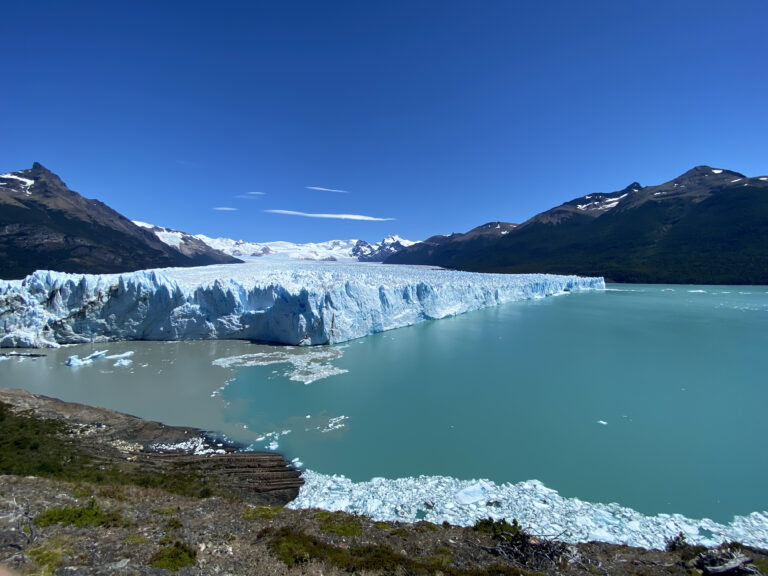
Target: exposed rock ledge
255	477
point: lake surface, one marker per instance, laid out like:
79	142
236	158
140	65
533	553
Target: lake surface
654	397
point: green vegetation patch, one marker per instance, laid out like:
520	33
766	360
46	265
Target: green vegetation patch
339	523
49	556
294	547
31	446
167	511
761	564
136	539
174	557
680	545
261	512
174	524
498	527
89	515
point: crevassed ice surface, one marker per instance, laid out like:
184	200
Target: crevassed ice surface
282	302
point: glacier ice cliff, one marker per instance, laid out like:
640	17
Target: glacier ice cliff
281	302
539	509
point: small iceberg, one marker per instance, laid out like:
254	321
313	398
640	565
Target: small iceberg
75	360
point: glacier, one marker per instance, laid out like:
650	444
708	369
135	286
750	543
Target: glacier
294	303
539	509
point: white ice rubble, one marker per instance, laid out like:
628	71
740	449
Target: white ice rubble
306	365
539	509
195	445
297	303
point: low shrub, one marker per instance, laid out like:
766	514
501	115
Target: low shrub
89	515
261	512
174	557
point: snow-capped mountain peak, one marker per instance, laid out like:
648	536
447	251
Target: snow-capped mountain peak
331	250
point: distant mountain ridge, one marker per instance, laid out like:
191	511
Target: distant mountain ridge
331	250
707	226
45	225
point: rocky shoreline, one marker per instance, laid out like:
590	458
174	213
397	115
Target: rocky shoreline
115	437
225	514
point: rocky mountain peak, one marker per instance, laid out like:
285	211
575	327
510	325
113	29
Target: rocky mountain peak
40	173
703	171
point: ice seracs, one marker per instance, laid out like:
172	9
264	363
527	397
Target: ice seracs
287	302
538	508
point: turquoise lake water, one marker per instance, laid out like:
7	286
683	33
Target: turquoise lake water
654	397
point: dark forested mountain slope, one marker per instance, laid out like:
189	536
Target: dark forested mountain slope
708	226
45	225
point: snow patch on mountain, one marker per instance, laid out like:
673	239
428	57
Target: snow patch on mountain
26	183
171	237
287	302
604	203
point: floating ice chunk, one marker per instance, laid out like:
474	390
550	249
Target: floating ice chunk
123	362
75	360
119	356
286	302
602	422
697	291
336	423
272	436
306	365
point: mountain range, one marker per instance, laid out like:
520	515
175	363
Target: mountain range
707	226
332	250
45	225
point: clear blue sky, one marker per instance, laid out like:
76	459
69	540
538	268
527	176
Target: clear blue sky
441	115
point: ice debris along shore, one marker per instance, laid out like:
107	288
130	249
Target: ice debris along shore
280	302
539	509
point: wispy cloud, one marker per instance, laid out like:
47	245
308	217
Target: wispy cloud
334	216
251	195
225	209
321	189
